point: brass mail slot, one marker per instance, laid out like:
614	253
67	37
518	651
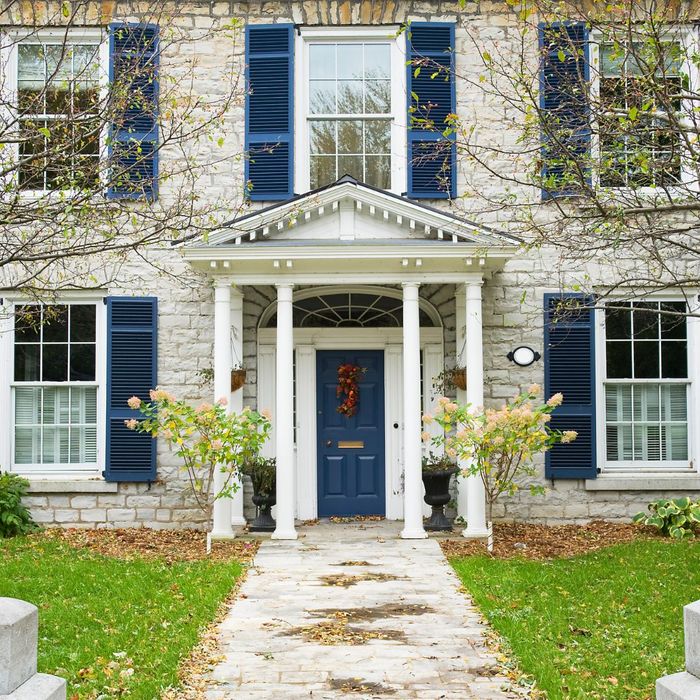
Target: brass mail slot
350	444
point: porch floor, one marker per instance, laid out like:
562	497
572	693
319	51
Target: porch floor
351	610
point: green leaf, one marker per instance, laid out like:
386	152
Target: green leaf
561	55
44	132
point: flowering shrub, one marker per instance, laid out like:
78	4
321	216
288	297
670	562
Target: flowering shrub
499	445
207	438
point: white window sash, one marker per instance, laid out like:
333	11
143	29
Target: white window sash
9	41
692	382
398	114
8	386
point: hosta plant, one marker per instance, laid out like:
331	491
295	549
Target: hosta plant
15	518
677	517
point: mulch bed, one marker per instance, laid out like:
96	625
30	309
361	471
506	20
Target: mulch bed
548	542
170	545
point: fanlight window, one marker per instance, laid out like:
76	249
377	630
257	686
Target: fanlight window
350	310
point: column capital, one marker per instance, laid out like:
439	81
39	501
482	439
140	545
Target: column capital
408	285
284	285
222	282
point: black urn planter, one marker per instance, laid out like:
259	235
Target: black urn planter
264	522
437	496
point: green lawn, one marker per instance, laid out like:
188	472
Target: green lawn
113	628
604	625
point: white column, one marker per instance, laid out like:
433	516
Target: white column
461	358
236	397
284	416
222	387
474	354
413	483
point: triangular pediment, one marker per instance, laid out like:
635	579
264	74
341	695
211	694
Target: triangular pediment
349	211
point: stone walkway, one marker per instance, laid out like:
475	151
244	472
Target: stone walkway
401	625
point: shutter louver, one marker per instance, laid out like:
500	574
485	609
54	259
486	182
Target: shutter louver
269	114
569	355
131	371
431	98
133	147
564	109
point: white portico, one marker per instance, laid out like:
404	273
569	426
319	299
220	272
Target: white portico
349	239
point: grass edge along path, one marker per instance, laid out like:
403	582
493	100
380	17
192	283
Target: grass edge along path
600	626
114	627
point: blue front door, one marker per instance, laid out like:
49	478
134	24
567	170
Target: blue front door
350	448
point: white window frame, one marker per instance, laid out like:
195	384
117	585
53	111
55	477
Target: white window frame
7	386
637	467
9	42
690	37
399	109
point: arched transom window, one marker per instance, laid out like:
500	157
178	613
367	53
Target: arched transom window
350	309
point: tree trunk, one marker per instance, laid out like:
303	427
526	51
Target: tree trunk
489	525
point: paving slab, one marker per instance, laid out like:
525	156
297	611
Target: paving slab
400	625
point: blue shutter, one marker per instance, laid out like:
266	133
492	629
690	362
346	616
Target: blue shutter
269	112
133	147
566	132
431	97
132	325
569	356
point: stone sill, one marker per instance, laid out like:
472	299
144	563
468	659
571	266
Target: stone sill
645	482
72	486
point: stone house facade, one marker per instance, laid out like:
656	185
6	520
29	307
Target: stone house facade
380	267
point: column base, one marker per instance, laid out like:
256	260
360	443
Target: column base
239	521
476	533
284	535
418	534
223	535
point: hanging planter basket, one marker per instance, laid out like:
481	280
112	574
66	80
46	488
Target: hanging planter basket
237	379
459	378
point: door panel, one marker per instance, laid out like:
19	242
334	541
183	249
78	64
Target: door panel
350	478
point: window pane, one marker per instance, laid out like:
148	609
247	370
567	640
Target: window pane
55	445
647	442
27	405
27	362
55	406
322	61
351	165
322	97
619	443
322	171
618	403
673	326
674	359
82	363
83	407
28	323
350	137
55	324
675	442
377	136
55	363
377	61
611	59
30	78
83	445
350	97
322	138
377	96
378	171
82	322
674	403
618	360
618	323
645	320
646	359
646	403
27	445
350	62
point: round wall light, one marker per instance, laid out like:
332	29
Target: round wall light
523	356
